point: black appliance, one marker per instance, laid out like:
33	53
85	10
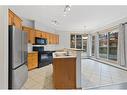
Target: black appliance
40	41
44	57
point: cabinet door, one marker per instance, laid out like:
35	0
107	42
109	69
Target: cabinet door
32	36
35	60
53	39
48	38
13	19
43	34
46	35
28	33
10	18
57	39
17	22
38	34
51	42
32	60
64	73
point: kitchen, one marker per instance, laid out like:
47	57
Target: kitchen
47	54
38	57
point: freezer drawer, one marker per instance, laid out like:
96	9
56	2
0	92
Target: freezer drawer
19	77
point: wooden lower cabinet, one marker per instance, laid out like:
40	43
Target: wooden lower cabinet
32	60
64	73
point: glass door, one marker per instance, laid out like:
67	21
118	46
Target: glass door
93	45
103	45
73	41
84	39
113	42
79	41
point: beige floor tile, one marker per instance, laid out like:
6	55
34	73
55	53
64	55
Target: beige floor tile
39	78
99	74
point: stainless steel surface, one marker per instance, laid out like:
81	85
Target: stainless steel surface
19	76
24	47
16	48
19	70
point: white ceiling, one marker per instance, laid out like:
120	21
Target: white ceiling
92	17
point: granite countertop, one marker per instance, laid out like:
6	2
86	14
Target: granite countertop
62	55
75	49
33	52
71	56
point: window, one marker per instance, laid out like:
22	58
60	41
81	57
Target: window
78	41
108	43
93	45
103	46
84	38
113	42
73	41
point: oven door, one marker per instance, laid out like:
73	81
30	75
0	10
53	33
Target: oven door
44	59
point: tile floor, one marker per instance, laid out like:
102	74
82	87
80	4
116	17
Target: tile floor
40	78
96	74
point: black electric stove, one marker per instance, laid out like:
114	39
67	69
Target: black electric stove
44	57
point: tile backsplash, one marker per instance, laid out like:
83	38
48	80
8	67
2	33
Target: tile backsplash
30	47
46	47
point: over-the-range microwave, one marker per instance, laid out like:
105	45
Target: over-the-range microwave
40	41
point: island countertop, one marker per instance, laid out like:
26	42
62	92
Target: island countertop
64	56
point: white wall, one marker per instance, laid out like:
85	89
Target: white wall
43	27
114	23
27	22
3	47
64	40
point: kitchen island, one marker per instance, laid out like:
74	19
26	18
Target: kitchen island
67	69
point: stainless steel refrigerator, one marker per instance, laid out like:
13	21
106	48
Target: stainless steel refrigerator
18	71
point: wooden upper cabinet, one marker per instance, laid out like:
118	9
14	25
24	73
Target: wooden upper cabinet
38	34
17	22
49	38
57	39
30	34
25	29
54	39
10	17
13	19
43	34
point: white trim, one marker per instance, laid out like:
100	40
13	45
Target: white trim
4	47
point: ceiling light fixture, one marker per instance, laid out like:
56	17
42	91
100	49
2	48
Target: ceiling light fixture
55	22
67	9
84	38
